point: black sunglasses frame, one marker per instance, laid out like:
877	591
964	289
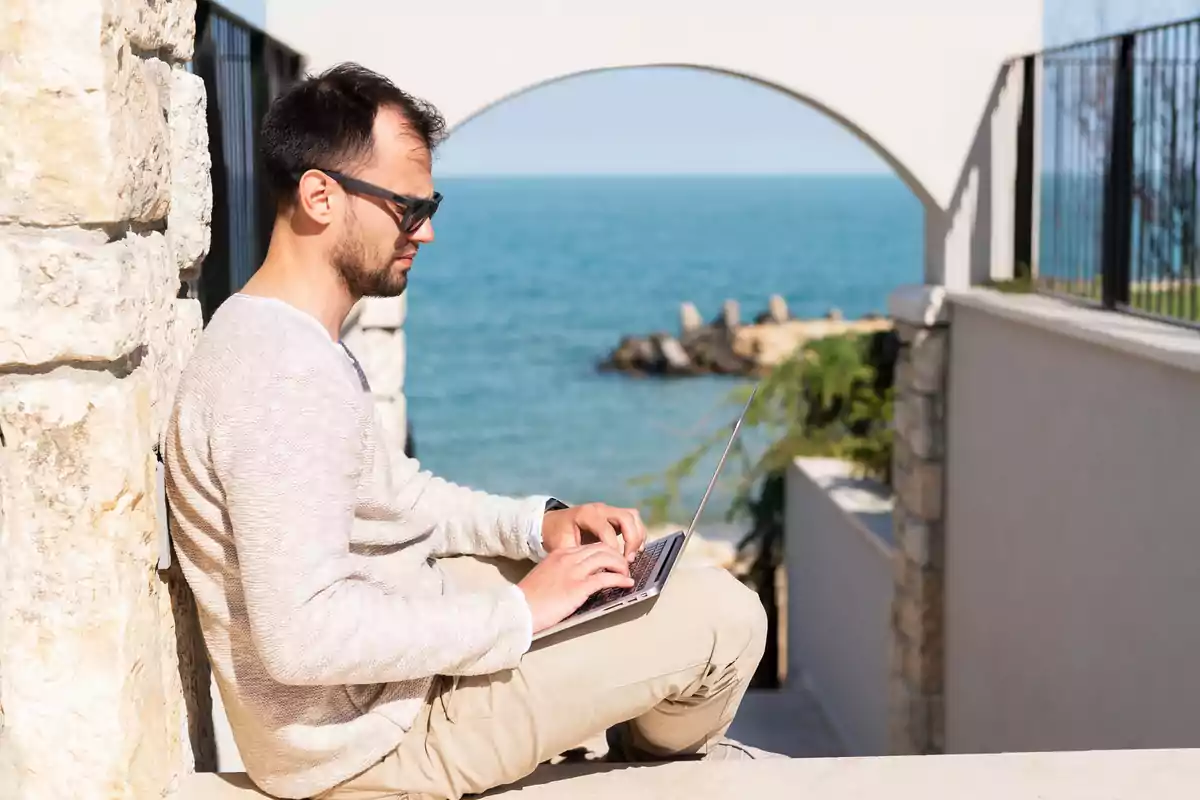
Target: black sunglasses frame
416	209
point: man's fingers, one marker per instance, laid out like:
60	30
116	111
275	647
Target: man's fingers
607	580
632	529
599	556
597	524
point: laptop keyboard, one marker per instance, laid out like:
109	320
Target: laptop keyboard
639	570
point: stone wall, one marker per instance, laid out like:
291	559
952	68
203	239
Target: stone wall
916	686
374	332
106	201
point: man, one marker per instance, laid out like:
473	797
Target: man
362	645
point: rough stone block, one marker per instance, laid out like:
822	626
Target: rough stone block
918	606
910	719
906	331
74	297
381	354
186	674
927	357
904	380
189	221
379	312
921	543
896	651
919	305
80	589
900	568
173	332
393	418
83	134
919	419
168	25
902	738
923	666
937	724
918	484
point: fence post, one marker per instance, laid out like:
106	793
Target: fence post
1025	181
1117	236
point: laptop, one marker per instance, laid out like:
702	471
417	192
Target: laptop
654	565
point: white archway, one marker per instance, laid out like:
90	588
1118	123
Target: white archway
909	178
914	78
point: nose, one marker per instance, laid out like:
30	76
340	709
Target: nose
423	234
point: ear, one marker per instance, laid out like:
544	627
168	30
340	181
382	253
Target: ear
318	196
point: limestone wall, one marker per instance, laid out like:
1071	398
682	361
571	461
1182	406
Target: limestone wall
106	200
374	332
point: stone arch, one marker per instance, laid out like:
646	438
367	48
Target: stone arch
908	176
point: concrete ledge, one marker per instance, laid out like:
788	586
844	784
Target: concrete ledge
840	551
1113	775
867	503
920	304
1173	345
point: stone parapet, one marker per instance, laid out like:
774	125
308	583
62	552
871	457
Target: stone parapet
374	333
104	153
916	687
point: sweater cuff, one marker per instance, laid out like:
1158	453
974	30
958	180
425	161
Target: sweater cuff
527	620
533	532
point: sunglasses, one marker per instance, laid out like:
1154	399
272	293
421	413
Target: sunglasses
415	210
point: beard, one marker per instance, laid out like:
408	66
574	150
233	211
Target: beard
364	275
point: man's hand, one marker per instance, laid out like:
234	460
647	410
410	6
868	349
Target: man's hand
567	577
580	525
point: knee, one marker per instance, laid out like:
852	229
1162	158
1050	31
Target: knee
734	611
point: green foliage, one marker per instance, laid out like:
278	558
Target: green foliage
1023	283
827	400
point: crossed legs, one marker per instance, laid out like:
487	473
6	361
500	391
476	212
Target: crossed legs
663	678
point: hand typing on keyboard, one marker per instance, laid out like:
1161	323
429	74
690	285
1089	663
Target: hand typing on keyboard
568	576
620	528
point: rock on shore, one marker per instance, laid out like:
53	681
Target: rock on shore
727	347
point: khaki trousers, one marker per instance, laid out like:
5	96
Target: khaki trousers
663	678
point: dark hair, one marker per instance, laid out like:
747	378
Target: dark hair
326	121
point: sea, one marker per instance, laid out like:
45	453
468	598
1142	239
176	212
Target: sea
532	280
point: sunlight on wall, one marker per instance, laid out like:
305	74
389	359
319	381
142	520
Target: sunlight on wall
654	120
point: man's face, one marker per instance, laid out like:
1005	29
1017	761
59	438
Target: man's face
374	253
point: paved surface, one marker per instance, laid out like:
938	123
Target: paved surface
786	721
1113	775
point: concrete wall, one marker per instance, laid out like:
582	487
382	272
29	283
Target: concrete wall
839	577
104	158
916	82
1073	539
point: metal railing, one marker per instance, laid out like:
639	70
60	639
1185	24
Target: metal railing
243	70
1119	180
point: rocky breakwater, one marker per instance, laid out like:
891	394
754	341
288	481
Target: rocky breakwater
725	346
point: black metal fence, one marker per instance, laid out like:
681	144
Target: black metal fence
1119	183
243	70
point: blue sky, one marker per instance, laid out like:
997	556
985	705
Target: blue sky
1068	21
667	120
653	120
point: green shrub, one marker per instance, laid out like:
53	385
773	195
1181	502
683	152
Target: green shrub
832	398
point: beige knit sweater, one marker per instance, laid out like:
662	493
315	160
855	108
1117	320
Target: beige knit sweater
313	562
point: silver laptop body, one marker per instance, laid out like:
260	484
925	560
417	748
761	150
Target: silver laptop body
654	564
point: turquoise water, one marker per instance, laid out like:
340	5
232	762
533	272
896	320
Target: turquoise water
531	280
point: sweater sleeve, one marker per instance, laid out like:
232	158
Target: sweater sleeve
471	522
288	460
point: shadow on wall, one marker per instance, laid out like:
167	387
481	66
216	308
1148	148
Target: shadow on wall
972	241
194	671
